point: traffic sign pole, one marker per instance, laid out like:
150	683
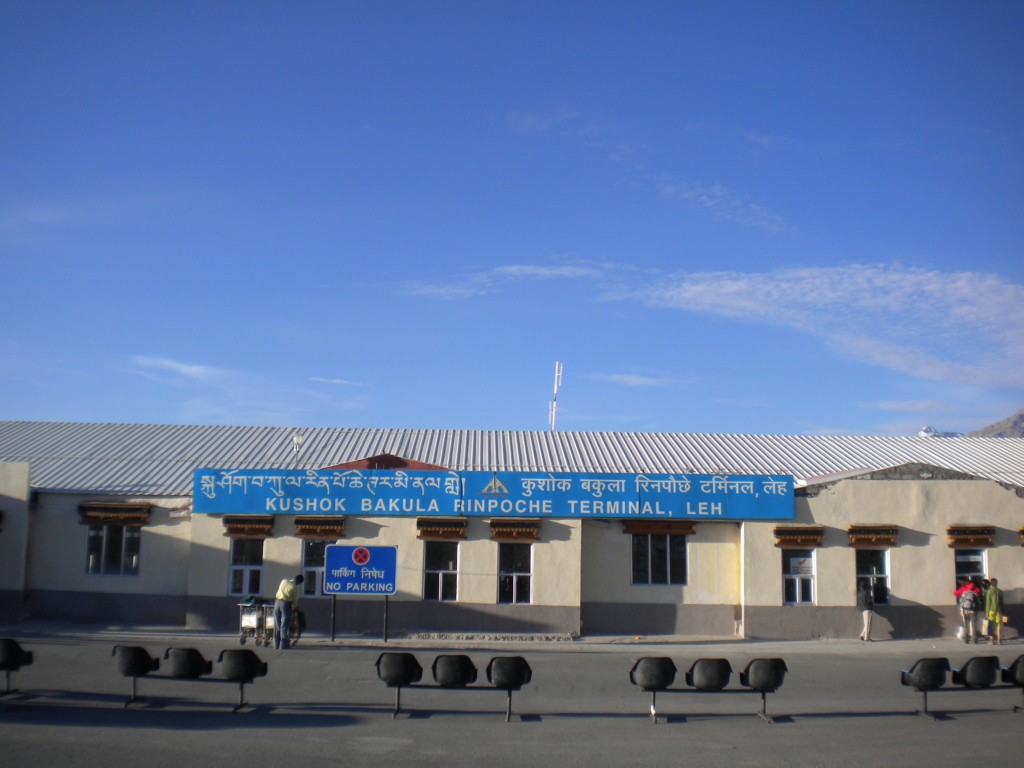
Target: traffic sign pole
385	618
334	603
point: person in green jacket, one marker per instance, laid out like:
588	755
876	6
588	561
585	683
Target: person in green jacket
994	612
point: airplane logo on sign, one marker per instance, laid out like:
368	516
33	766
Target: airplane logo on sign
495	487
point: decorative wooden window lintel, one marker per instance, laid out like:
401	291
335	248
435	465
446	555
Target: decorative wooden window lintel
671	527
802	536
441	528
515	530
248	526
114	513
970	536
873	535
1021	534
320	526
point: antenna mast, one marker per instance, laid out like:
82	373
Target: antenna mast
554	398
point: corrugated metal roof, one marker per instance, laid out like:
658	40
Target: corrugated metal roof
157	460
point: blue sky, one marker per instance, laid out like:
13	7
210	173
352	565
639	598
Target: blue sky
720	217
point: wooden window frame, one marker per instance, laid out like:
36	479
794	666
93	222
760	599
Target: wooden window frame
441	528
798	536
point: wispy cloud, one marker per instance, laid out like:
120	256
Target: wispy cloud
201	393
616	146
904	406
949	326
336	381
723	202
488	281
188	370
632	380
534	122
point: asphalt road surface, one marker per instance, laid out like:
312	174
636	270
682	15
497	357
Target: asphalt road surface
322	704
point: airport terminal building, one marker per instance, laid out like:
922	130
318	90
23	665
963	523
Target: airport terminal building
754	536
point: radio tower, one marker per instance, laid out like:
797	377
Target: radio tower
554	398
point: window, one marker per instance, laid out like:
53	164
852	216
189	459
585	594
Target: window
873	570
314	554
441	570
797	576
113	550
970	566
246	566
659	558
514	566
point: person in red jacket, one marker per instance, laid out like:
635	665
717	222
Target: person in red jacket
968	600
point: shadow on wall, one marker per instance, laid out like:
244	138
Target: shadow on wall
908	537
910	620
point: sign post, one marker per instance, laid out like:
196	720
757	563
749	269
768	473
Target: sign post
354	570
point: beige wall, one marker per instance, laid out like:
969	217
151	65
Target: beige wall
921	563
14	528
713	567
57	550
556	558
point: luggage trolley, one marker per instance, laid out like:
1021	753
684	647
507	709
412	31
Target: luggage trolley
250	621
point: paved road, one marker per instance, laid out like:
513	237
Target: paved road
323	705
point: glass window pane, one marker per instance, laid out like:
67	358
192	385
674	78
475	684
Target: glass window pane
870	562
513	558
441	556
522	589
449	585
431	589
504	589
237	575
805	591
112	556
969	563
132	538
247	551
254	581
314	553
796	561
790	585
659	559
677	559
641	562
881	591
310	581
95	550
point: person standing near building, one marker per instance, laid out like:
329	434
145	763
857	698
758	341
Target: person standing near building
994	612
969	601
866	606
287	601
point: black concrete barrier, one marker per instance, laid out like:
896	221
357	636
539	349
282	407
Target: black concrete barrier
979	673
12	658
657	673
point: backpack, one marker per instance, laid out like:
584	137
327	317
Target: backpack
969	601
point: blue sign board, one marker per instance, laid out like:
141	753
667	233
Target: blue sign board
492	494
360	570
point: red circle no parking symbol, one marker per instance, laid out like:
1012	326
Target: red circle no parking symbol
361	556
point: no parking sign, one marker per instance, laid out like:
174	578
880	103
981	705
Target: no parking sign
352	570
